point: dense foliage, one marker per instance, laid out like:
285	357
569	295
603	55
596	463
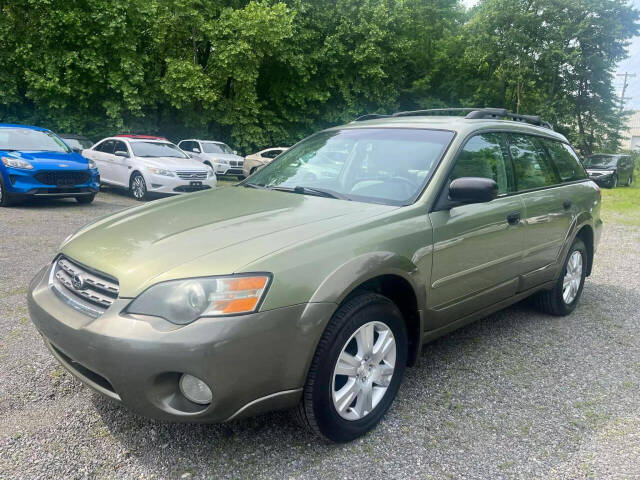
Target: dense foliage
263	73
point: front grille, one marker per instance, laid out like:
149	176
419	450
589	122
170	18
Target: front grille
192	175
234	163
83	289
62	178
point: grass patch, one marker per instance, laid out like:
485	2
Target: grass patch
621	205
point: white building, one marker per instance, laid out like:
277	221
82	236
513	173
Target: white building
631	136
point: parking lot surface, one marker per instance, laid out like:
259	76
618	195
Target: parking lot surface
516	395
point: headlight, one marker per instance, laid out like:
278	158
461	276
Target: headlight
161	171
16	163
92	165
183	301
606	172
222	161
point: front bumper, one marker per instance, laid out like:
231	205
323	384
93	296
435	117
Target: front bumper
252	363
176	185
23	183
602	180
227	169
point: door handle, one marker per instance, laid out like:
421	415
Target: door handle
513	218
566	204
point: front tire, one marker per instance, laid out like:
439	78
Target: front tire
5	197
85	199
565	295
614	182
138	187
357	369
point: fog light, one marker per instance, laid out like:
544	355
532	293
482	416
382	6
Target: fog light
195	389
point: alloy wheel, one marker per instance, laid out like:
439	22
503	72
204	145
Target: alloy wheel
138	187
363	371
572	278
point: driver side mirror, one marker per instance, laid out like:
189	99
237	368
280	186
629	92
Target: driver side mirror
235	152
473	190
121	153
195	150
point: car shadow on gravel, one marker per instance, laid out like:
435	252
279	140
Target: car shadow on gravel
470	361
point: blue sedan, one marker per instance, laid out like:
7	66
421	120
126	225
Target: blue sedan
35	162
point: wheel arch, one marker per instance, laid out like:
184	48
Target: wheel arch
388	274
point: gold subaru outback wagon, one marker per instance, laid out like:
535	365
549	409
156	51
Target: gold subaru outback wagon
314	283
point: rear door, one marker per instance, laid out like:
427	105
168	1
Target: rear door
548	199
477	247
101	154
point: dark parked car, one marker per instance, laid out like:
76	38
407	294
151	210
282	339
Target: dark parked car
609	170
76	142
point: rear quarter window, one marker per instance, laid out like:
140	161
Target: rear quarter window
565	160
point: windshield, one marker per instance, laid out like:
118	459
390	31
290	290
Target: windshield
213	147
380	165
78	144
24	139
600	161
157	149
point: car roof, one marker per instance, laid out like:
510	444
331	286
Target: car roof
457	124
199	140
72	136
135	140
27	127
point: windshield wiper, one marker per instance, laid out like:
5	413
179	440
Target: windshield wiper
319	192
254	185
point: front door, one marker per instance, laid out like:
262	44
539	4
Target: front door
477	247
121	164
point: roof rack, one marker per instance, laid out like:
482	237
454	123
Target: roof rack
471	113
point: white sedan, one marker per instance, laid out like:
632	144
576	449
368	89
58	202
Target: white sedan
256	160
145	164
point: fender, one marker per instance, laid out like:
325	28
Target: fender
345	279
584	219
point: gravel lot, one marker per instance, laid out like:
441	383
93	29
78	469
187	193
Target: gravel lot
516	395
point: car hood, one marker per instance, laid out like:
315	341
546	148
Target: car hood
53	160
215	232
173	163
223	156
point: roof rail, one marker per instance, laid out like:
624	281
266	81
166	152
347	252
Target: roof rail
471	113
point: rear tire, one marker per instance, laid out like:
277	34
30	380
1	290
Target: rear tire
85	199
138	187
563	298
630	181
344	406
5	196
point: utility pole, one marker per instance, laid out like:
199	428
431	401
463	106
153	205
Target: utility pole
626	76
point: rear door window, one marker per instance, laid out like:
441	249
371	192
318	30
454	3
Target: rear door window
485	156
531	163
565	159
106	146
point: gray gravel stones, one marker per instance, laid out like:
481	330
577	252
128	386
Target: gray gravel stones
516	395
